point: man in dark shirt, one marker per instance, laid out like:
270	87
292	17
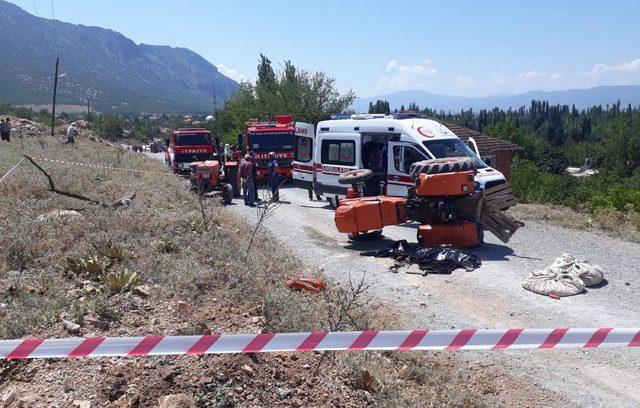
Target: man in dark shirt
273	176
248	181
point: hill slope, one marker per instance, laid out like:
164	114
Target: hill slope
582	98
112	70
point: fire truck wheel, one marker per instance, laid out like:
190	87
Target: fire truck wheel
366	236
355	176
436	166
227	194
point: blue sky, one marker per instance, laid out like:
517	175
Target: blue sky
467	48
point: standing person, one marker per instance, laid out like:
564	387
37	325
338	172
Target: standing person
246	177
71	133
273	177
228	153
5	130
255	177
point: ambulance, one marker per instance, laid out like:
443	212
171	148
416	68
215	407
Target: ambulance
385	144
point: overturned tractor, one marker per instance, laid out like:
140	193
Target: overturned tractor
444	202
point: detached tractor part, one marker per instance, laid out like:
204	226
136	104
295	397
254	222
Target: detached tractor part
357	178
443	201
206	178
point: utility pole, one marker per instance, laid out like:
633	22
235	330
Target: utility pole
53	108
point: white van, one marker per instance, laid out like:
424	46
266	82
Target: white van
388	145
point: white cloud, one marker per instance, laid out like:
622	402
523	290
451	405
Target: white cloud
631	66
424	68
406	76
231	73
532	74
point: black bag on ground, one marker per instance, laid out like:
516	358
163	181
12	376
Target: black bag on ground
441	260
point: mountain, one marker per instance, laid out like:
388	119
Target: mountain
582	98
116	73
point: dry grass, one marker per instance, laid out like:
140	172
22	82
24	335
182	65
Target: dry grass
606	221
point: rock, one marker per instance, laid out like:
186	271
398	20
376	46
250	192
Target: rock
176	401
283	392
71	327
142	290
81	403
220	376
122	402
296	402
255	319
238	390
306	366
247	370
9	397
27	401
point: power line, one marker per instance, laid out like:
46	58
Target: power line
35	7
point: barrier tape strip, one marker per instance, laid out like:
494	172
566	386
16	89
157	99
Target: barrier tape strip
97	166
7	174
468	339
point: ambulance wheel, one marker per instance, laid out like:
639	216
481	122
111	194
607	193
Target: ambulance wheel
227	194
366	236
437	166
355	176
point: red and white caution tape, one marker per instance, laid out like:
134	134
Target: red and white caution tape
470	339
98	166
8	173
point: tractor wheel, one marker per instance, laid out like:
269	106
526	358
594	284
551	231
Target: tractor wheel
227	194
232	178
355	176
437	166
366	236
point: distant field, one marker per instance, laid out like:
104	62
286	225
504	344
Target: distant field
59	108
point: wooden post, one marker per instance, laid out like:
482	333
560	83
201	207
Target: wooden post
53	108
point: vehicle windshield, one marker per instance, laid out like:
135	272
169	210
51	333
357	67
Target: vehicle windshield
266	142
441	149
183	139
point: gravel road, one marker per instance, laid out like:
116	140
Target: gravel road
491	296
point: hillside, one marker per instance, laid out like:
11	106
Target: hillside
115	72
582	98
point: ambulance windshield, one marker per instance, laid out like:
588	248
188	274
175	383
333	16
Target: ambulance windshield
443	148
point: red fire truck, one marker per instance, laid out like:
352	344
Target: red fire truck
270	136
186	146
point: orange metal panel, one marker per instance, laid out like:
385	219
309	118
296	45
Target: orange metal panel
446	184
462	234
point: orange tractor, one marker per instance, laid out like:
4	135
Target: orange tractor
444	201
212	178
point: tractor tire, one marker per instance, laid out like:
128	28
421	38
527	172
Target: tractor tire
437	166
366	236
227	194
232	179
355	176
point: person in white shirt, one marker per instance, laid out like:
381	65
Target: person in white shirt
71	133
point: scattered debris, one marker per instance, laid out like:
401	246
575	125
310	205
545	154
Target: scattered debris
437	260
70	327
567	276
56	215
283	392
308	284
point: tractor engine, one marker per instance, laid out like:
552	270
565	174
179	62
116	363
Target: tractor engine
443	202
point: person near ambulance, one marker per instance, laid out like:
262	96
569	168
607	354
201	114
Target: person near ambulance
248	181
274	179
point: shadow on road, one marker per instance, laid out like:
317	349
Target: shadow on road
371	245
493	252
